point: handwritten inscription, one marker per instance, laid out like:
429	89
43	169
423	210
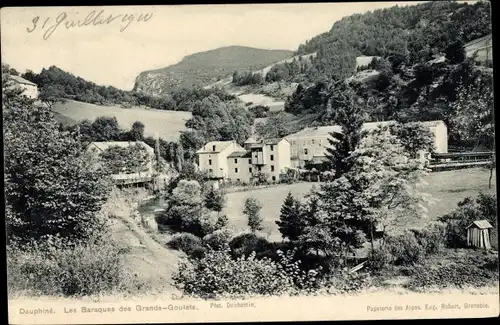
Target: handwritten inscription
50	24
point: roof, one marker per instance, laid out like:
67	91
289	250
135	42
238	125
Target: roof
319	131
481	224
21	80
239	154
251	140
219	146
272	140
123	144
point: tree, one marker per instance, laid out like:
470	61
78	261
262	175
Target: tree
388	182
252	211
137	131
214	200
51	94
414	137
455	52
474	117
346	112
275	126
291	222
52	187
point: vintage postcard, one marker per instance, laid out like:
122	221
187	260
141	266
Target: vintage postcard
257	162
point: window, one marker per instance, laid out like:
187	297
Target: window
272	157
235	160
272	148
272	168
210	161
305	151
237	179
211	170
250	169
213	148
236	170
260	168
312	141
249	160
274	178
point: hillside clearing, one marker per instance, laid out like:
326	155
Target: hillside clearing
168	124
448	187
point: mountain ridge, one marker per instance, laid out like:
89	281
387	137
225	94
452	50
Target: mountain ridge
203	68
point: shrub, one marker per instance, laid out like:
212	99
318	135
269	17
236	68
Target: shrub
380	259
405	249
430	238
245	244
219	275
468	211
349	282
55	268
188	243
218	240
456	275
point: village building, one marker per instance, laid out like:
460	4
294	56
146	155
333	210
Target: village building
226	160
213	157
310	144
145	175
30	89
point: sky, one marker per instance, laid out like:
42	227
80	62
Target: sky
115	53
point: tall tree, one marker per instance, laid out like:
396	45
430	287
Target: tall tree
137	131
252	211
214	200
345	110
291	223
52	187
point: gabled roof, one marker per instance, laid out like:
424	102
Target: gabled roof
21	80
481	224
219	146
122	144
250	140
240	154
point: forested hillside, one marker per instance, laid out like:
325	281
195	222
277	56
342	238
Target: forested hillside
55	83
421	75
417	32
201	69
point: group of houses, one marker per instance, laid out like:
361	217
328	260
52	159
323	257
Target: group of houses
273	158
30	89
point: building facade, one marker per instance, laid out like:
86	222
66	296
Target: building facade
29	88
267	158
213	156
310	144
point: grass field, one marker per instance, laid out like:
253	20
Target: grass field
447	187
168	124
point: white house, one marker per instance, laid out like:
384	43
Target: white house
96	148
269	157
30	89
310	144
212	157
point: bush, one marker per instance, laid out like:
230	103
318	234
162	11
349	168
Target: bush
54	268
468	211
380	259
405	249
430	238
245	244
188	243
218	240
349	282
456	275
219	275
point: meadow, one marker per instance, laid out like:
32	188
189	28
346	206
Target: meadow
167	124
446	187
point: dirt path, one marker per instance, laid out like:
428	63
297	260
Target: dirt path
147	258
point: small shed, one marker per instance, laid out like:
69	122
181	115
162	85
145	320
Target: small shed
478	234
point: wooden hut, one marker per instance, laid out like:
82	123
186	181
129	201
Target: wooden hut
478	234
